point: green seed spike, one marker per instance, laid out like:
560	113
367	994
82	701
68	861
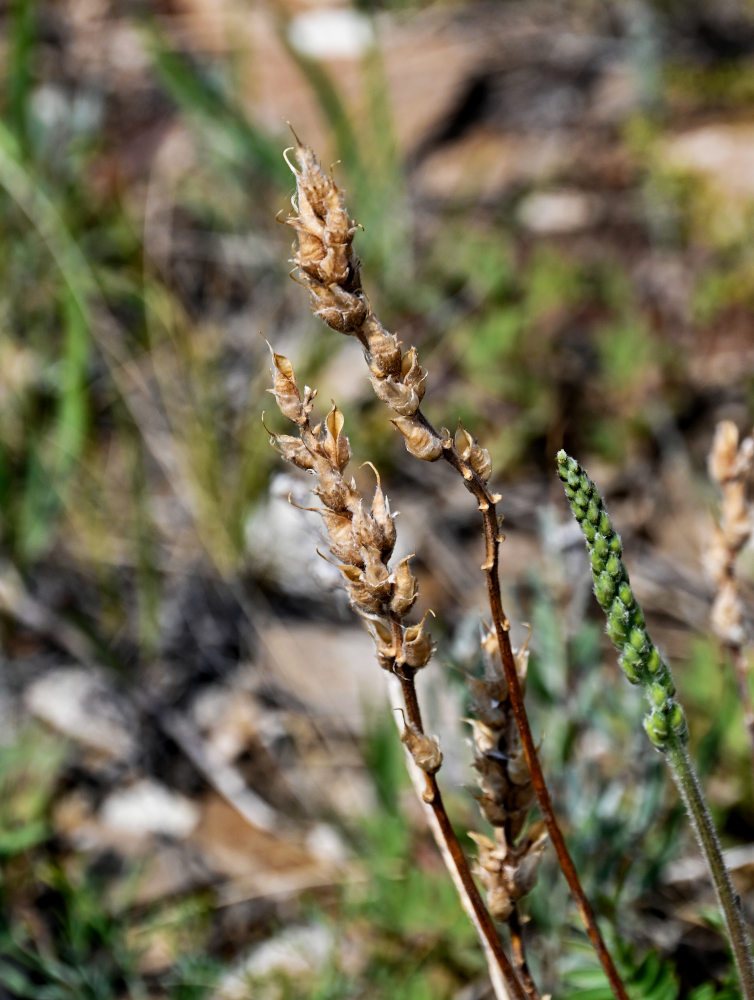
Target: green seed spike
639	657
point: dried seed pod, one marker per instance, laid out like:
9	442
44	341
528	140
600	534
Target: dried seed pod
481	463
424	749
343	311
293	450
376	575
400	398
463	442
384	349
384	519
335	444
412	373
285	388
340	537
420	440
417	645
405	589
382	634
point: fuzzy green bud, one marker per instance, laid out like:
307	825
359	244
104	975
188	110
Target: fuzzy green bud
657	729
601	546
677	720
631	663
657	695
604	589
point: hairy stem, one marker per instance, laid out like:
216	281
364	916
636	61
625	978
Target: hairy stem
687	781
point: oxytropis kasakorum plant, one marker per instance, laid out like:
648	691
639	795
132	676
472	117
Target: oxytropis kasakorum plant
329	269
643	665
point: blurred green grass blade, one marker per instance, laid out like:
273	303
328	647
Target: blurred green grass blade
26	190
202	99
18	81
54	461
72	419
50	466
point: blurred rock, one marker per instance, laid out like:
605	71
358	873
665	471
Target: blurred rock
298	952
722	152
331	670
558	212
84	706
147	807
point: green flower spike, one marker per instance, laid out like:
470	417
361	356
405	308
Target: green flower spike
665	724
639	657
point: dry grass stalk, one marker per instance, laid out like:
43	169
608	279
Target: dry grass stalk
361	538
329	269
730	463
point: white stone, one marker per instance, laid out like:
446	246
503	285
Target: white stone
147	807
331	34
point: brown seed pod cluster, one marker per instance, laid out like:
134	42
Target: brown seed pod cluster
328	267
361	535
507	864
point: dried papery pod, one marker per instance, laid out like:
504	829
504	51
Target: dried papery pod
412	373
481	463
383	349
341	310
397	396
377	575
420	440
285	389
360	592
383	518
405	589
335	444
340	537
417	645
293	450
384	641
463	441
332	489
424	749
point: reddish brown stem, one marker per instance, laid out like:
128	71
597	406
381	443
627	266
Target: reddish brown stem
433	798
489	516
519	955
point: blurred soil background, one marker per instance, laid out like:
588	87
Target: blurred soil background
201	792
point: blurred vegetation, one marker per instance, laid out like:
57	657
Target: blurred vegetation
131	385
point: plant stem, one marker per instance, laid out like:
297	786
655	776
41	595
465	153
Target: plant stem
502	973
687	781
508	663
519	955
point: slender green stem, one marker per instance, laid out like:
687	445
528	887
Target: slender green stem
643	665
687	781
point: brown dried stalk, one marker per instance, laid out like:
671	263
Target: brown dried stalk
508	864
730	464
328	268
362	539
